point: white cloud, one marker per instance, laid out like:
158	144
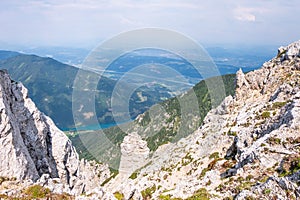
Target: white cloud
245	17
248	13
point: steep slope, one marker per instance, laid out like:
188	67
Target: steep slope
33	148
247	148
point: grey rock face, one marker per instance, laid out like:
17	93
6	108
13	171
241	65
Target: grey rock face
33	148
30	143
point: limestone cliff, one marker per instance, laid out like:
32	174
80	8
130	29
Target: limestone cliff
33	148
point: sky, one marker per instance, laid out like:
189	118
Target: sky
80	23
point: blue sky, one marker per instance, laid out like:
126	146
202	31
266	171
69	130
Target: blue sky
85	22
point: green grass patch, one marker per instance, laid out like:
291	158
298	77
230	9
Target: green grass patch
134	175
147	193
37	191
200	194
278	105
119	195
265	115
114	174
214	155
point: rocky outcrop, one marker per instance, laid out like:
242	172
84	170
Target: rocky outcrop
33	148
31	144
134	153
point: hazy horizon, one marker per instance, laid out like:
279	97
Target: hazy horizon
84	23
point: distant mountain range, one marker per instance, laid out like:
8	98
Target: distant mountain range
50	82
222	54
50	85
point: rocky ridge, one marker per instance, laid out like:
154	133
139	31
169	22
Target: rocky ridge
247	148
